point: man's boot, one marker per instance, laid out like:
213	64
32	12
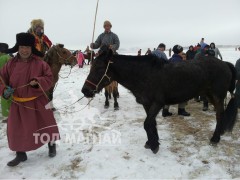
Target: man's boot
52	150
20	157
181	111
166	113
205	105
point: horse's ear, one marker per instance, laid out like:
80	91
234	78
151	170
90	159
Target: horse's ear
60	45
110	53
106	51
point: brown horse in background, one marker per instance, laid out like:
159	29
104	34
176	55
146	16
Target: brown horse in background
112	89
56	57
89	56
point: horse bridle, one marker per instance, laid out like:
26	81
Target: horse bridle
65	59
105	75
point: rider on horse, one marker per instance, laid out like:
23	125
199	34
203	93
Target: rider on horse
107	38
42	42
111	40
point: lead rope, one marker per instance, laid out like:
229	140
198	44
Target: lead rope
27	107
67	75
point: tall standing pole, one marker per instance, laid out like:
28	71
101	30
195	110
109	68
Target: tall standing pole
94	28
94	25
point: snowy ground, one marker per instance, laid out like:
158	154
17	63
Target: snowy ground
107	144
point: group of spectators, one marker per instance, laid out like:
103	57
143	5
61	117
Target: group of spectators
194	52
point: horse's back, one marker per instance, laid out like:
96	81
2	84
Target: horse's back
185	80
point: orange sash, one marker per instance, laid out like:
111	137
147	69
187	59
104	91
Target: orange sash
18	99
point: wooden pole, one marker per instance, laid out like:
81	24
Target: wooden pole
94	25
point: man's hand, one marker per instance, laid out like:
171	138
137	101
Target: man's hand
33	83
8	92
91	45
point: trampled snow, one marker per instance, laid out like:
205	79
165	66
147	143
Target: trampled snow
106	144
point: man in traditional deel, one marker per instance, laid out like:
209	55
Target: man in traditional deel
25	77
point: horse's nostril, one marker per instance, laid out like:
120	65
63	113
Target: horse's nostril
87	92
84	90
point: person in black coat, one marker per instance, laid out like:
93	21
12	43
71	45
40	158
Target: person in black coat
176	58
190	53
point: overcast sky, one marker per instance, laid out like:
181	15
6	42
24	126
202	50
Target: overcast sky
138	23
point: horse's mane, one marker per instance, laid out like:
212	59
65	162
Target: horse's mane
152	60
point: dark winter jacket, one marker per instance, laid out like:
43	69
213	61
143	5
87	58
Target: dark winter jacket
176	58
190	54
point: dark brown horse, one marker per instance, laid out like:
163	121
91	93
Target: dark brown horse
89	56
171	83
56	57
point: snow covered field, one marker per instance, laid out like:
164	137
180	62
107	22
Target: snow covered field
107	144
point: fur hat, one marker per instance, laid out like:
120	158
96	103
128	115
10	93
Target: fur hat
3	47
37	22
25	39
177	49
107	23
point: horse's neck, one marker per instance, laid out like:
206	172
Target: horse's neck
125	72
55	68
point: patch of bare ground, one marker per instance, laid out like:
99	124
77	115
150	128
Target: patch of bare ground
190	137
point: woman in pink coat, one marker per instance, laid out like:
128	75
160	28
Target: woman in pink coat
80	59
25	77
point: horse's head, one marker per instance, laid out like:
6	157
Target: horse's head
100	73
60	55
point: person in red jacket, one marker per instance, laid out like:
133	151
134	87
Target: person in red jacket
42	42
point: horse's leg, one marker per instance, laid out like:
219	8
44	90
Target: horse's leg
150	127
117	90
110	91
219	106
50	97
116	106
106	101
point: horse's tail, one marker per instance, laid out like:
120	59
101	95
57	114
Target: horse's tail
230	113
234	76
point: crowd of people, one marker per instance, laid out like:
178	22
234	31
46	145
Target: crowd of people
25	77
193	53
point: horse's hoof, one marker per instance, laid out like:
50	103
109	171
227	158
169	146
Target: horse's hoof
214	140
147	146
106	106
213	144
155	151
116	107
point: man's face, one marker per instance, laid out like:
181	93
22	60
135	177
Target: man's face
162	49
25	51
107	27
39	30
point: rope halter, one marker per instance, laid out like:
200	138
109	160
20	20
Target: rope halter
104	75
